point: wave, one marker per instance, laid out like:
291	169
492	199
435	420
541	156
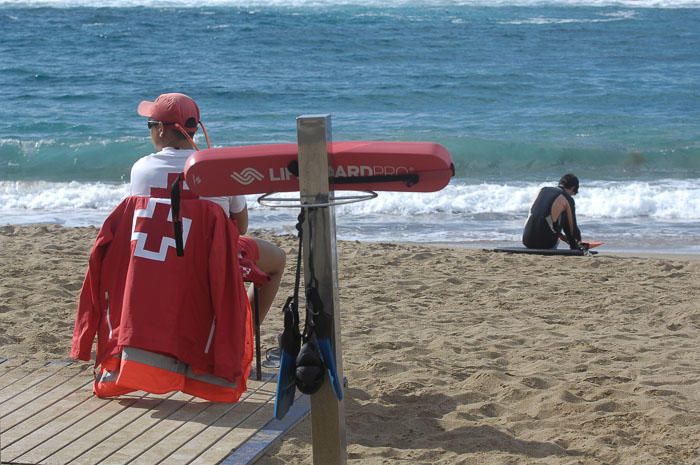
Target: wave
542	20
660	215
524	160
340	3
476	159
70	204
18	195
667	200
60	160
659	200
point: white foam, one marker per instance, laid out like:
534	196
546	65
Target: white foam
71	204
605	18
663	200
659	214
659	200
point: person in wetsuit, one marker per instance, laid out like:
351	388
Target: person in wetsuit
552	212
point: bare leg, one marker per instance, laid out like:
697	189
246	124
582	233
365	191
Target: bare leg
272	260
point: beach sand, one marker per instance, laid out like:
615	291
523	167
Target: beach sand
455	356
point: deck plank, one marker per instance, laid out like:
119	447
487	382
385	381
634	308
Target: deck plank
22	378
7	368
62	431
238	436
104	439
143	417
44	400
50	416
214	442
27	396
34	430
255	446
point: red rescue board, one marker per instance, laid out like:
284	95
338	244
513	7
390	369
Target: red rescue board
371	166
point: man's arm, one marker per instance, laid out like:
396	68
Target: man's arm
238	210
241	220
570	225
562	208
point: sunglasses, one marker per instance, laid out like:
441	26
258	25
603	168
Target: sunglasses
154	124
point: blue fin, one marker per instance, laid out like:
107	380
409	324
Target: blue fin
286	387
290	341
324	345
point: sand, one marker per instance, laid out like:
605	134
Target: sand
455	356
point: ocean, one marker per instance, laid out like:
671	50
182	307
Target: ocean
520	92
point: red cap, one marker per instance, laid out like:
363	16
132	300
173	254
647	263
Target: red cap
172	108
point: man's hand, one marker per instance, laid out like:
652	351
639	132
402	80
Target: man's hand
578	245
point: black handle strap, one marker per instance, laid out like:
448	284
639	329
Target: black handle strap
291	306
410	179
175	196
297	276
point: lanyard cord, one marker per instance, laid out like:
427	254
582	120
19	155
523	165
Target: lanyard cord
292	304
297	278
315	322
309	319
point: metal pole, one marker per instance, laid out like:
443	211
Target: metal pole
327	412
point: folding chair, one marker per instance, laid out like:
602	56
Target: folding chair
257	283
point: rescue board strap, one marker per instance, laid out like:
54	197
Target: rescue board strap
410	179
175	192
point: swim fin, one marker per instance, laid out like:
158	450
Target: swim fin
324	345
290	342
323	328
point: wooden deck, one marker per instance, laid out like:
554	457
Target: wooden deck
48	415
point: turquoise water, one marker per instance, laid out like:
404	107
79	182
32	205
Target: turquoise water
519	93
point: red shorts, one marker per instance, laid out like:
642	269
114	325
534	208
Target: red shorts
249	254
248	249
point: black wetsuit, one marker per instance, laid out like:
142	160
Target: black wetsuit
541	232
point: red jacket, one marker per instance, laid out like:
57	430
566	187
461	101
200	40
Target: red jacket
139	293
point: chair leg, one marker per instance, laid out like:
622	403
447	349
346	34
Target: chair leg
256	322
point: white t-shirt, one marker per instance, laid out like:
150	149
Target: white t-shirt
152	172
